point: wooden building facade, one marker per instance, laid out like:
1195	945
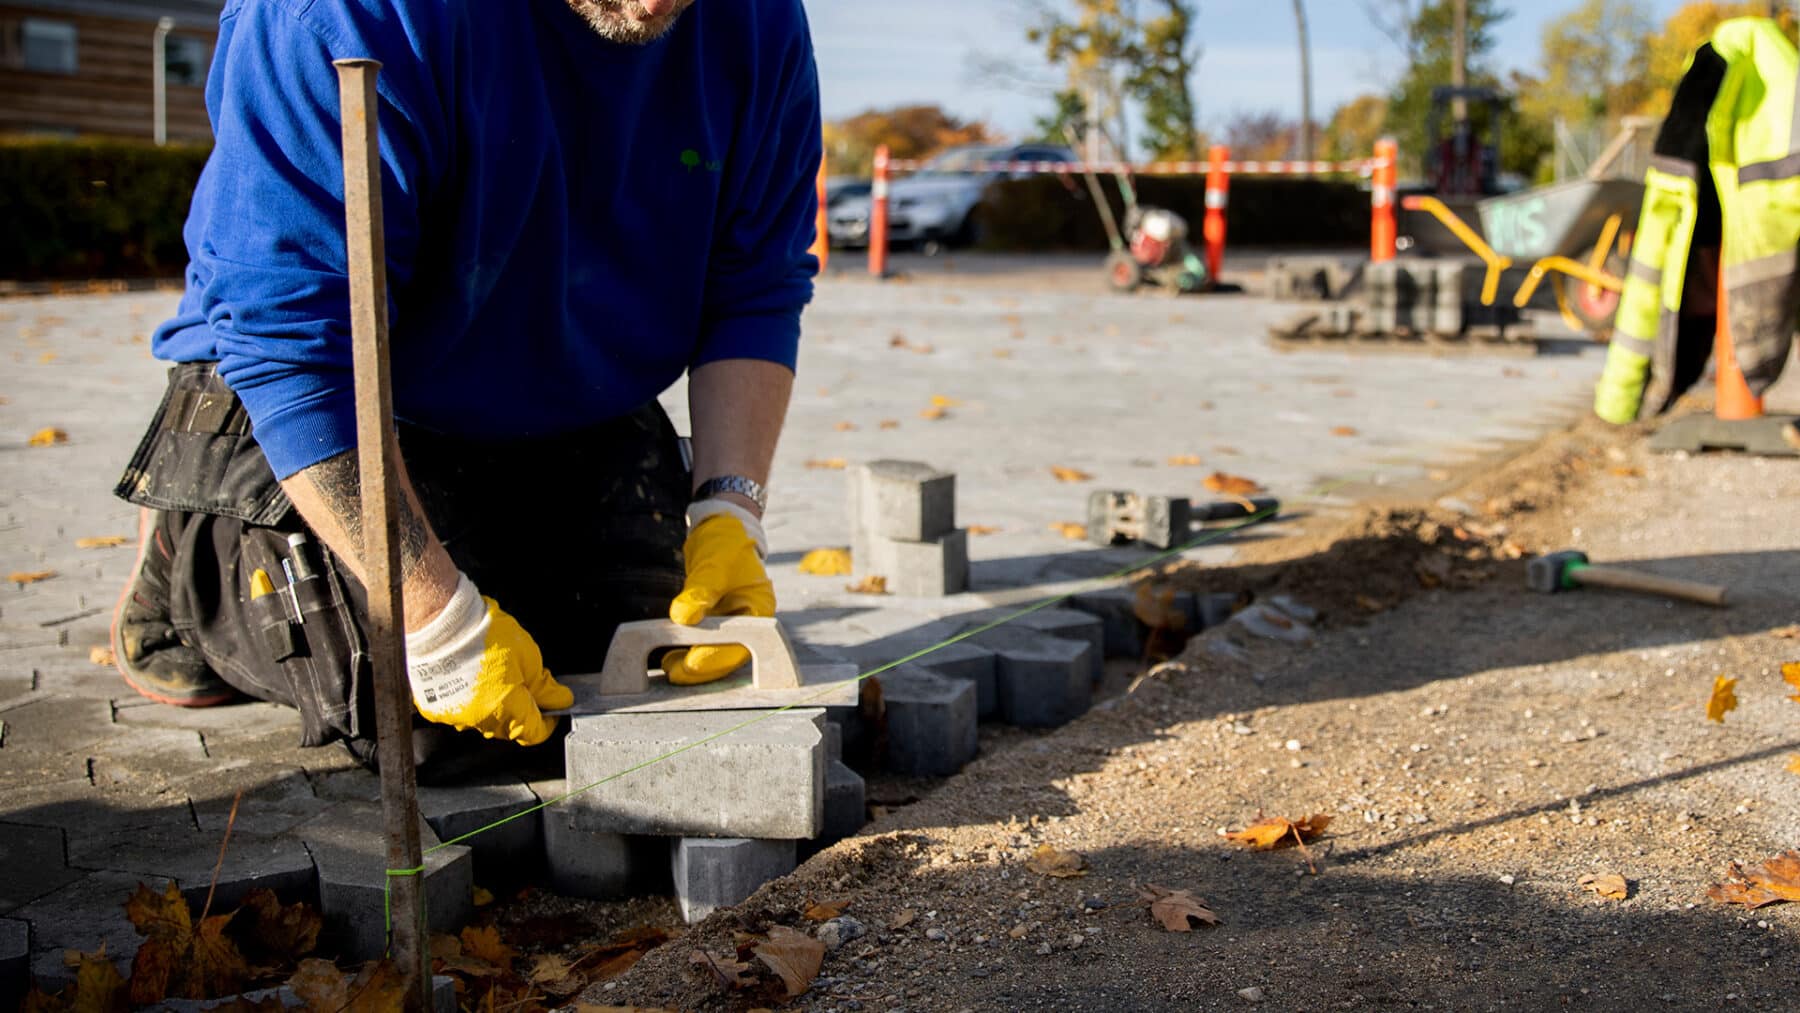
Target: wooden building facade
86	67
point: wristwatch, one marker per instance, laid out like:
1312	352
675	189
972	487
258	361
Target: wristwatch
748	488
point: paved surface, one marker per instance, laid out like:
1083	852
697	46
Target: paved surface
1041	374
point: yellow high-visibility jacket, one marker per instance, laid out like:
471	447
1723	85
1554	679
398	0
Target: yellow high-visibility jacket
1725	176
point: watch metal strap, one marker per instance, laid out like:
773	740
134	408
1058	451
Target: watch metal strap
746	487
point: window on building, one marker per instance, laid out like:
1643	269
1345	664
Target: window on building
184	59
47	46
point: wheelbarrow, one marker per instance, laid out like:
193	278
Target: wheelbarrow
1550	227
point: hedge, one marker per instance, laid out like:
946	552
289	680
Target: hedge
1042	213
94	208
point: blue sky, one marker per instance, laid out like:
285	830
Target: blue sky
880	53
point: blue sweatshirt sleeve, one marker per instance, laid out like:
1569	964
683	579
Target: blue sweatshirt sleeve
267	231
760	276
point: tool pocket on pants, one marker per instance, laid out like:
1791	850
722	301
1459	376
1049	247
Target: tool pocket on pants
299	644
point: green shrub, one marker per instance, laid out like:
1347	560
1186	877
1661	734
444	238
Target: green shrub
1042	213
94	208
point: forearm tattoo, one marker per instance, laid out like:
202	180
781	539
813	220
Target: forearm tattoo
339	481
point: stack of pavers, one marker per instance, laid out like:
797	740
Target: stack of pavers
903	528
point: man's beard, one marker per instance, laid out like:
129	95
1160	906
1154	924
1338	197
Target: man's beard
626	21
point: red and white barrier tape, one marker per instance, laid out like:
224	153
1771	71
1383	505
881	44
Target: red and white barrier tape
1152	168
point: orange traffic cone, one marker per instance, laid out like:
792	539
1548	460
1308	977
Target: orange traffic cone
1732	401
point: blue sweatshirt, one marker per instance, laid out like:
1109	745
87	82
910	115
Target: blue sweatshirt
571	222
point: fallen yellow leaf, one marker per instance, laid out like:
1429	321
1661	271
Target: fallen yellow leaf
983	529
826	562
1184	461
1047	861
48	437
1272	832
1627	471
1775	880
1610	885
825	910
1723	700
1793	766
845	427
1175	909
482	896
1790	674
1069	529
933	413
100	542
1069	474
940	401
1003	353
828	464
47	358
1343	431
102	656
29	576
1231	485
869	585
890	423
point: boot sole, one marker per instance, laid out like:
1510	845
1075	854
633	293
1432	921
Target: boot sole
118	645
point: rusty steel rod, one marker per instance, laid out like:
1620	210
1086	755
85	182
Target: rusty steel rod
376	451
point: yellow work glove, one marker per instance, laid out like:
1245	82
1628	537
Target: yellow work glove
474	666
725	577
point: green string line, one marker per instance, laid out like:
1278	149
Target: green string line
1205	539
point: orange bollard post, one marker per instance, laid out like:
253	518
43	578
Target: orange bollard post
821	247
1732	400
1218	197
878	215
1384	230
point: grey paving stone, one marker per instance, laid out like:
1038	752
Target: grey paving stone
766	779
1121	631
188	856
973	663
240	718
146	758
1294	608
602	866
715	872
276	798
907	500
1271	623
84	915
931	724
349	850
1216	607
1044	681
846	804
15	960
357	785
62	725
1072	624
928	569
501	853
32	864
834	742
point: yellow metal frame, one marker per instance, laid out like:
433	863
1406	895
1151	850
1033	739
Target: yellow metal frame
1592	273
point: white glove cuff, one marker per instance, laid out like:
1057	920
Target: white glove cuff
464	611
705	508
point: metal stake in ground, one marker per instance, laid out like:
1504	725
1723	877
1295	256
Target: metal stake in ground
376	450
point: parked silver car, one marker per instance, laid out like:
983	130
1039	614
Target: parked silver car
936	206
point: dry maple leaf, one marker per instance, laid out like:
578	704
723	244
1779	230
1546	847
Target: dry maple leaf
1231	485
377	988
1343	430
1786	632
934	413
826	562
825	910
872	584
1003	353
555	975
890	424
1047	861
1184	461
1793	764
1723	700
274	933
1176	909
1772	882
845	427
23	577
983	529
1627	471
1069	474
940	401
48	437
484	943
1272	832
794	956
1790	674
177	958
102	656
1610	885
1154	606
828	464
98	987
100	542
1069	529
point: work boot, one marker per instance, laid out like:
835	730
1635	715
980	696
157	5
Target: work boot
146	649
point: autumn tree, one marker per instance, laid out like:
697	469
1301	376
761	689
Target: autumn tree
912	131
1097	48
1592	67
1161	81
1354	128
1262	136
1667	51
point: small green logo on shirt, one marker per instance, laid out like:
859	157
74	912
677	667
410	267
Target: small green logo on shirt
692	160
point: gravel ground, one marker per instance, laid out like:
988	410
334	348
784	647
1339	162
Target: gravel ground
1478	747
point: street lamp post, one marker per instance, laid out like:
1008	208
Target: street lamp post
159	81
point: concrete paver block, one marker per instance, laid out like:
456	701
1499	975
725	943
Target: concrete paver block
834	743
276	799
846	804
463	809
349	849
187	856
1044	681
600	866
15	960
31	864
1121	631
907	500
1072	624
1271	623
82	916
765	779
715	872
972	663
928	569
931	724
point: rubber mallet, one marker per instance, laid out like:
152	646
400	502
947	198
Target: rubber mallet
1570	569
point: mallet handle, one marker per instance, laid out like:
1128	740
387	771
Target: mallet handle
1648	583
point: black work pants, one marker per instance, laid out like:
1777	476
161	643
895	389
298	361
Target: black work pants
572	534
